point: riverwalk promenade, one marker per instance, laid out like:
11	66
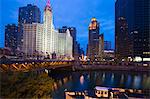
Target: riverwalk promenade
113	68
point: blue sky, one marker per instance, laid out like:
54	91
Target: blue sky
77	13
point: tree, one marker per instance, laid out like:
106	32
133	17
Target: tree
26	85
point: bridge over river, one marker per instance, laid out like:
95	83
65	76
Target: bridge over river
33	65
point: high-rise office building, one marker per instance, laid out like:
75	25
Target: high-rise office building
44	38
77	51
65	42
107	45
132	25
27	15
50	34
93	41
122	39
101	47
32	39
73	34
11	34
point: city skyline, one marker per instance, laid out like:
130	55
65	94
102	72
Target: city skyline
68	17
42	37
65	49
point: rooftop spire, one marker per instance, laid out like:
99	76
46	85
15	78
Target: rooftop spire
48	6
48	3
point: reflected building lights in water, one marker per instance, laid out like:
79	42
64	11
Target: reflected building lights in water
70	77
122	79
65	80
55	86
128	82
112	79
82	80
103	77
146	82
60	83
137	82
88	76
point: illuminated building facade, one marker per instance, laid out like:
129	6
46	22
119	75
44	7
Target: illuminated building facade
32	39
43	38
11	34
65	43
73	33
27	15
93	42
135	14
49	35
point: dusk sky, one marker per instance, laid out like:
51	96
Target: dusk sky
76	13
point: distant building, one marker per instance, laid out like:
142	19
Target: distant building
11	34
77	51
73	33
81	51
109	55
101	47
107	45
132	26
93	41
87	50
27	15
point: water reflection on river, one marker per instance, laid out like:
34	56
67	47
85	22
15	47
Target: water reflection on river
79	81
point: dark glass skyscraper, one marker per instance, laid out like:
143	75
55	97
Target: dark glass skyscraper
27	15
11	32
73	33
122	39
93	42
132	28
